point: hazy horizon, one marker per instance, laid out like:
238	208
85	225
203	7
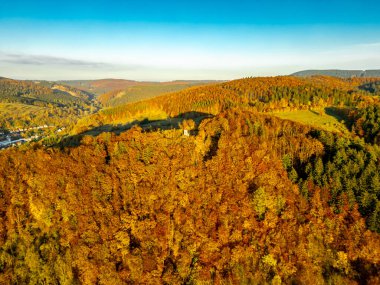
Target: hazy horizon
168	40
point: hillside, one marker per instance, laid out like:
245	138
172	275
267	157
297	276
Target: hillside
157	207
324	103
40	93
27	103
146	91
75	92
339	73
266	94
242	197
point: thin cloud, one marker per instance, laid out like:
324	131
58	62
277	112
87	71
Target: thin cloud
39	60
28	66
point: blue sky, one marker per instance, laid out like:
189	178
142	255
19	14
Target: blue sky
168	40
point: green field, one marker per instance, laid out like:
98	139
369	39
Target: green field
329	121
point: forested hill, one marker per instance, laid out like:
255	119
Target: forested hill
100	86
146	91
340	73
242	200
25	104
40	93
261	94
131	90
242	197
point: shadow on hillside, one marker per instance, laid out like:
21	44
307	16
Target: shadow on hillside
371	87
339	113
314	112
146	125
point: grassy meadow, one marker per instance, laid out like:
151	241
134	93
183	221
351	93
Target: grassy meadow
321	118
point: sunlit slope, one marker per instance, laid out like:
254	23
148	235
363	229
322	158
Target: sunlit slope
18	115
323	118
39	93
29	103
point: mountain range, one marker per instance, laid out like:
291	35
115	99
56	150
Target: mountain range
339	73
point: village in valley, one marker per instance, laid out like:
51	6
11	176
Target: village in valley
9	138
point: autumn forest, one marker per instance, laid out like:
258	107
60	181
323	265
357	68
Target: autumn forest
199	183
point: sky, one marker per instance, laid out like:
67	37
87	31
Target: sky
172	40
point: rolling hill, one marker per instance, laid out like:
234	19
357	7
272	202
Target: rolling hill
38	103
130	90
100	86
270	94
40	92
146	91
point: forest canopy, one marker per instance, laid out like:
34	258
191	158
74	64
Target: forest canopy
244	198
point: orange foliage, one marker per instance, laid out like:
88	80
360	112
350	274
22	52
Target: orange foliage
157	207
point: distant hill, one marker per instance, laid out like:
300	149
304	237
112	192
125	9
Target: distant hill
101	86
26	103
339	73
67	89
146	91
40	93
